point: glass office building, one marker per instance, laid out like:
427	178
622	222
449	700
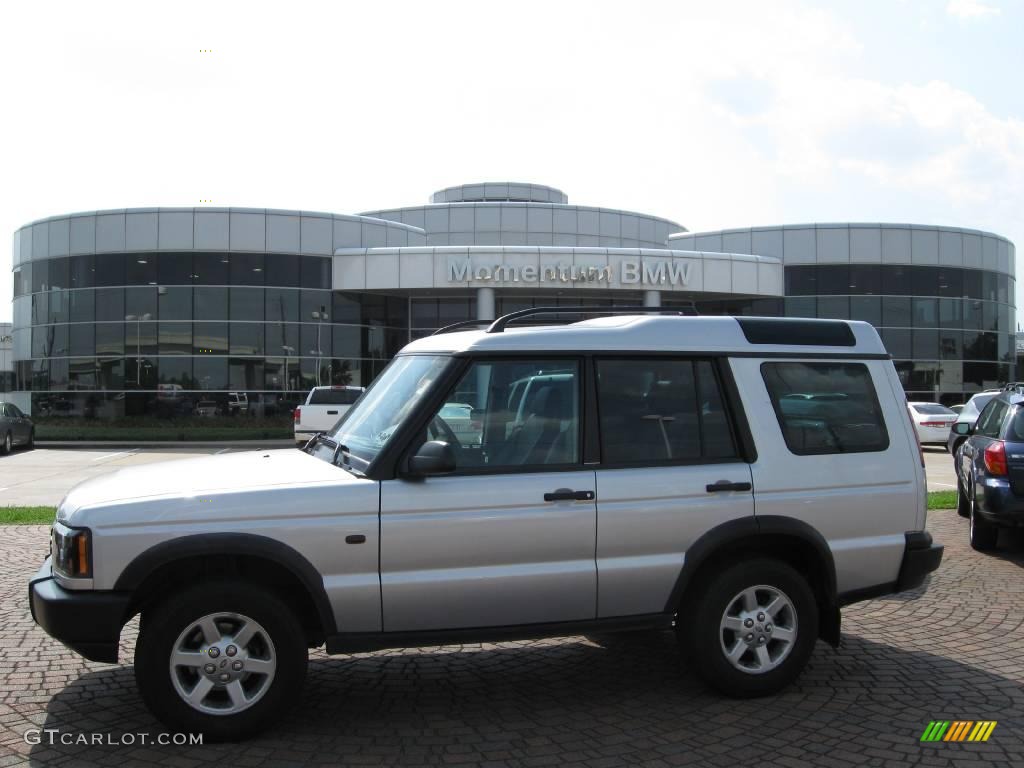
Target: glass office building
179	312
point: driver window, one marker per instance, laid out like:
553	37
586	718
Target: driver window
512	414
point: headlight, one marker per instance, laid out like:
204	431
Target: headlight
71	549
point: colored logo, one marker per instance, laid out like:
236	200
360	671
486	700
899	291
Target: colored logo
959	730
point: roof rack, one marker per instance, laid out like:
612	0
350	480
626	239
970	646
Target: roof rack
1014	386
460	324
499	325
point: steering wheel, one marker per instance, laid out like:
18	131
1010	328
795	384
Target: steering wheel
438	428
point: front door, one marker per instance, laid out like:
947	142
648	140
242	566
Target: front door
508	539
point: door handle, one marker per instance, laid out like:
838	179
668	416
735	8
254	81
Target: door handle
567	494
725	485
332	413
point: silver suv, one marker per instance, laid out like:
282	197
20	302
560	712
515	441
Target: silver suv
734	480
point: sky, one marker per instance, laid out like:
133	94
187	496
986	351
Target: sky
713	114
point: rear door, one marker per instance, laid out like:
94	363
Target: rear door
670	471
987	429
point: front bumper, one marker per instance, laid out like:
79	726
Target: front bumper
88	622
920	558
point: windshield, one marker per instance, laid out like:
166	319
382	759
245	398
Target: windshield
976	403
369	424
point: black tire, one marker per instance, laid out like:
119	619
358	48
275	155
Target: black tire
31	440
6	445
983	535
963	501
702	638
163	623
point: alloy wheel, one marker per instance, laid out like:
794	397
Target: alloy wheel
758	629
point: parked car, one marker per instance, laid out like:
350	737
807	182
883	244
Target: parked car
238	403
462	421
207	409
957	408
15	428
623	499
968	415
932	421
322	409
990	469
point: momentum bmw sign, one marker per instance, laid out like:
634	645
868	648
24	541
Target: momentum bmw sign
631	272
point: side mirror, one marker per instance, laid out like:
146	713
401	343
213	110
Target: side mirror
434	457
963	428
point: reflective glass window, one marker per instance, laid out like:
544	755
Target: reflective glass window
81	306
247	268
925	313
59	274
836	307
110	338
40	276
896	311
865	279
281	305
246	339
282	339
210	268
897	342
140	269
989	315
951	281
174	268
866	308
314	272
801	306
58	305
109	269
989	286
972	310
175	338
950	344
110	304
174	303
245	374
949	313
140	303
210	338
800	281
833	279
247	304
140	338
82	373
81	339
346	340
82	272
972	283
972	345
210	303
926	344
177	371
896	280
311	302
281	270
210	372
924	281
111	373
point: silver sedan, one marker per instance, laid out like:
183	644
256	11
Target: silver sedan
15	428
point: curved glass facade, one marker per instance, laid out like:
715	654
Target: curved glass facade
950	330
172	333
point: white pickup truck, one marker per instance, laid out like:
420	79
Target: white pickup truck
323	408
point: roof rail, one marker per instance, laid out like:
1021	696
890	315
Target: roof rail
1014	386
499	325
460	324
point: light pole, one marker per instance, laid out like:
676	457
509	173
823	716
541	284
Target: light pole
138	344
320	317
287	351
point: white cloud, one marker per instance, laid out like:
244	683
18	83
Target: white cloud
971	9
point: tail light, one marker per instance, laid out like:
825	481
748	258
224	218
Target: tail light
995	458
297	416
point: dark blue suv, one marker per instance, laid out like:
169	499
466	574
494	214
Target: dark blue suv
990	468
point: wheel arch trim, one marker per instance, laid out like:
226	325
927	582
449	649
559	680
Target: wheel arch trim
231	544
751	529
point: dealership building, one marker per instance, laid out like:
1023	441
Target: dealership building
156	310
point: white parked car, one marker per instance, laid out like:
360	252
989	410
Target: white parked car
323	408
613	488
932	422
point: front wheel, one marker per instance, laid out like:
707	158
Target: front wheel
223	659
751	628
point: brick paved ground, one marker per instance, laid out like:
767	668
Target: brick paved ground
954	652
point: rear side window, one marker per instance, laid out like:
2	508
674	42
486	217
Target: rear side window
826	407
661	410
334	396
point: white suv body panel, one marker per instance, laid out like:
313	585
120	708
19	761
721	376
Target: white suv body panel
861	503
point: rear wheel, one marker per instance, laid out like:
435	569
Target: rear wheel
983	534
750	628
963	501
223	659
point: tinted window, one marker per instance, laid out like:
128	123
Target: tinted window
1015	432
334	396
661	410
512	414
826	408
991	418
